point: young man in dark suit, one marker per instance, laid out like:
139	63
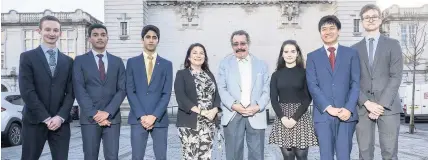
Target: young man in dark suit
148	86
333	77
99	83
45	83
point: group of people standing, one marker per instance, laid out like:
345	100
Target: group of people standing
351	88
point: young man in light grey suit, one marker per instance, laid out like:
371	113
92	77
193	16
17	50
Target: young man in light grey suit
243	85
99	83
379	103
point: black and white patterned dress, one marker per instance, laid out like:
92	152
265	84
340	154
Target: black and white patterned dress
197	143
290	98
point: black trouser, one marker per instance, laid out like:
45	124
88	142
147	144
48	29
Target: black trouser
292	153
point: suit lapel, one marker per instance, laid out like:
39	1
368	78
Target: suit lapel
364	56
93	68
377	53
143	69
156	69
324	59
254	67
110	64
235	70
43	60
59	64
339	55
190	78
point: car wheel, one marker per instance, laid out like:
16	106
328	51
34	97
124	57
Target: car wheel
14	134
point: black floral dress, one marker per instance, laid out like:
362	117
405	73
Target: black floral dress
197	143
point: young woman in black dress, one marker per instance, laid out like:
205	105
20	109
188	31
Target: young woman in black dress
293	129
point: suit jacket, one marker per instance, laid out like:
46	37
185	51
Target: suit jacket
381	83
229	87
94	94
338	88
185	93
45	96
148	99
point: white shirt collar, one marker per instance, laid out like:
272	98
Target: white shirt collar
96	53
146	55
335	46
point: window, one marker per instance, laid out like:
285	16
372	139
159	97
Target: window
408	32
356	25
15	99
412	34
124	28
3	49
32	40
403	31
67	43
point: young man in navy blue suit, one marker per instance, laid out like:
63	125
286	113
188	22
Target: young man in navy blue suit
149	85
99	83
333	77
45	84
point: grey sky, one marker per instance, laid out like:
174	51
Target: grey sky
96	7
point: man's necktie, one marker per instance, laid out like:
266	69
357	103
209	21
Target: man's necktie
52	61
101	67
371	54
332	57
149	74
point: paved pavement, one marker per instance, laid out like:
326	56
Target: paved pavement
411	147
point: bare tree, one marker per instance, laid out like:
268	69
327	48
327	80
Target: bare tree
417	40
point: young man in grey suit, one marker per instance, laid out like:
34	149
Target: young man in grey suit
379	103
99	83
243	85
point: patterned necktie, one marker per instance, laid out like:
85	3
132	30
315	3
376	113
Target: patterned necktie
149	74
332	57
101	67
52	61
371	54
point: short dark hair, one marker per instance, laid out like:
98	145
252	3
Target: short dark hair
240	32
48	18
150	28
329	19
94	26
368	7
281	62
187	61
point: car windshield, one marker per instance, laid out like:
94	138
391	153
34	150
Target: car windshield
15	99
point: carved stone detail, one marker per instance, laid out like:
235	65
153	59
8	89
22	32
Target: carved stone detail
189	14
289	14
290	10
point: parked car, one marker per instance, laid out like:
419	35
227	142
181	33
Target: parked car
11	118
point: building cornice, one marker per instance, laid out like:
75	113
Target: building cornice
396	13
231	2
13	18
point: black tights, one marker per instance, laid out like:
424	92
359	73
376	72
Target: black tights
292	153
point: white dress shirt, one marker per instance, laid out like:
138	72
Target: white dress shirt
245	76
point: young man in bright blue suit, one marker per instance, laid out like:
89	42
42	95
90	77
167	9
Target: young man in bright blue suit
333	77
149	85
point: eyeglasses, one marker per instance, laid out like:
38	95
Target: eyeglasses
374	18
237	44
